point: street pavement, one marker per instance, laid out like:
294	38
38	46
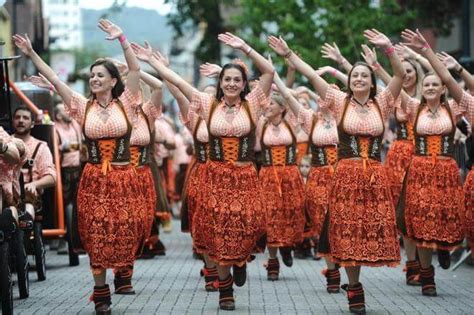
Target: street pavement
171	285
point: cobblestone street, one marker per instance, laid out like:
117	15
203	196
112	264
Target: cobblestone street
171	285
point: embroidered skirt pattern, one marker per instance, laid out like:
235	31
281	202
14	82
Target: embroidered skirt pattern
469	201
283	194
434	203
237	216
362	229
396	164
145	179
110	215
317	197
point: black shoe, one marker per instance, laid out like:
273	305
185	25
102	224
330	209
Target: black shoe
7	224
444	258
286	256
240	275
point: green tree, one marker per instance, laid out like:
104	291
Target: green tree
189	14
307	24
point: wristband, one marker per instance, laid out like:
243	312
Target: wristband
389	50
248	51
426	46
288	54
122	38
376	66
333	73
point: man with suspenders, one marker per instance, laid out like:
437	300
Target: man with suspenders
38	171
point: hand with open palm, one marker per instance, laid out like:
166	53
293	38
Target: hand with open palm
110	28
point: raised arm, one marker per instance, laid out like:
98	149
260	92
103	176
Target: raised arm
341	77
262	64
407	53
282	49
290	74
115	32
453	64
159	63
183	101
210	70
9	152
381	41
24	44
295	106
333	53
416	41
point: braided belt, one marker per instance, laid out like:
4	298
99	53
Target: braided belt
230	148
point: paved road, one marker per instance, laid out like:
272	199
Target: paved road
171	285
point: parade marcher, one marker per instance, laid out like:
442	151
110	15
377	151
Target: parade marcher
11	159
282	186
39	171
109	226
434	210
322	129
233	204
362	229
402	150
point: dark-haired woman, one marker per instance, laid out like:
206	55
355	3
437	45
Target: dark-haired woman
109	225
402	149
434	212
233	204
282	186
362	229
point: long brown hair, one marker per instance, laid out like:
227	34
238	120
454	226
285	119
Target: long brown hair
119	87
373	88
245	91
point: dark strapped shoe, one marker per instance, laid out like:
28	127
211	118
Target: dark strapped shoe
333	280
428	285
240	275
413	272
226	294
355	295
212	279
102	300
273	269
123	282
444	258
285	253
25	221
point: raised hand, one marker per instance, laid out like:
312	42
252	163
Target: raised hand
326	69
157	56
377	38
278	45
143	53
122	67
232	40
40	81
405	52
23	43
369	55
332	52
414	40
110	28
210	70
449	61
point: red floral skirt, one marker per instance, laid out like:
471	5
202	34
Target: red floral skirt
234	211
469	201
110	215
362	229
434	203
145	179
196	189
317	197
396	164
283	194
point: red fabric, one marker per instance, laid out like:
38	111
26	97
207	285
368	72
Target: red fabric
233	211
362	227
145	179
317	197
110	215
469	202
396	164
195	190
434	206
284	213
